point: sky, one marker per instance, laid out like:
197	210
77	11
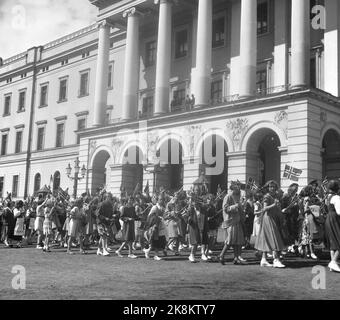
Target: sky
28	23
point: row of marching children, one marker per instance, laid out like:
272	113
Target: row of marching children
266	218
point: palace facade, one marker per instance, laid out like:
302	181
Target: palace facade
163	92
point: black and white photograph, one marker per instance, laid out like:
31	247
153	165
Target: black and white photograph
169	154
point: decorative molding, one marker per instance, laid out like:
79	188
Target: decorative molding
237	127
129	12
19	126
61	118
116	145
281	119
194	134
39	123
152	143
4	130
82	113
323	117
105	24
92	148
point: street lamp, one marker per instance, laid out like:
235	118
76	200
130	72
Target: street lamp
76	176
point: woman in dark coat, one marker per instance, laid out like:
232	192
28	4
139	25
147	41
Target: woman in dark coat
128	216
332	224
8	223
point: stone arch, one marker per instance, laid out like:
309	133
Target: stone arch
179	139
263	125
100	162
97	151
329	126
130	144
331	152
219	132
261	144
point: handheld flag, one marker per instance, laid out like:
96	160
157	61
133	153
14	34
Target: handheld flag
292	173
147	187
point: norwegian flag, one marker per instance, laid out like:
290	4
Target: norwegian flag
251	184
292	173
324	185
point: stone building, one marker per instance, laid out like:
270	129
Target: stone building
165	91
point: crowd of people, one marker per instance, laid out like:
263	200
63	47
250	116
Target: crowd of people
265	219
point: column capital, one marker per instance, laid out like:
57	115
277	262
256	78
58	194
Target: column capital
131	12
104	24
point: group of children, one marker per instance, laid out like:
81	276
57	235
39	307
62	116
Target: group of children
265	218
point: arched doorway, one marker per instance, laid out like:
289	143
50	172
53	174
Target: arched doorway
100	171
264	157
214	162
331	155
56	181
37	182
132	170
169	171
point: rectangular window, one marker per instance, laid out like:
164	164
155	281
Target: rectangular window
1	187
81	126
178	98
262	18
84	84
4	139
40	138
15	186
63	90
18	142
216	91
148	106
150	53
7	107
218	32
43	95
181	44
110	77
22	98
60	135
261	81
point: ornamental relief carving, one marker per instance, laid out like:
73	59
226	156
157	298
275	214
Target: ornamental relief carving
116	144
153	141
236	129
195	132
281	119
92	149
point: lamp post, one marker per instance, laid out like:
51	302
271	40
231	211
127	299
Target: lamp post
76	176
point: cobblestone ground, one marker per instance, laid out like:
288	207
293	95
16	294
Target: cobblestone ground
57	275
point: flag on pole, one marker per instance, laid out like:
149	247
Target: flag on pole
324	185
62	194
292	173
135	192
251	184
147	187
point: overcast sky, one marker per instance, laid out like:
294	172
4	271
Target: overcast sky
27	23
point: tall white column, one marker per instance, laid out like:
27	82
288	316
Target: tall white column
100	95
162	90
300	61
332	47
248	48
281	45
131	69
203	53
